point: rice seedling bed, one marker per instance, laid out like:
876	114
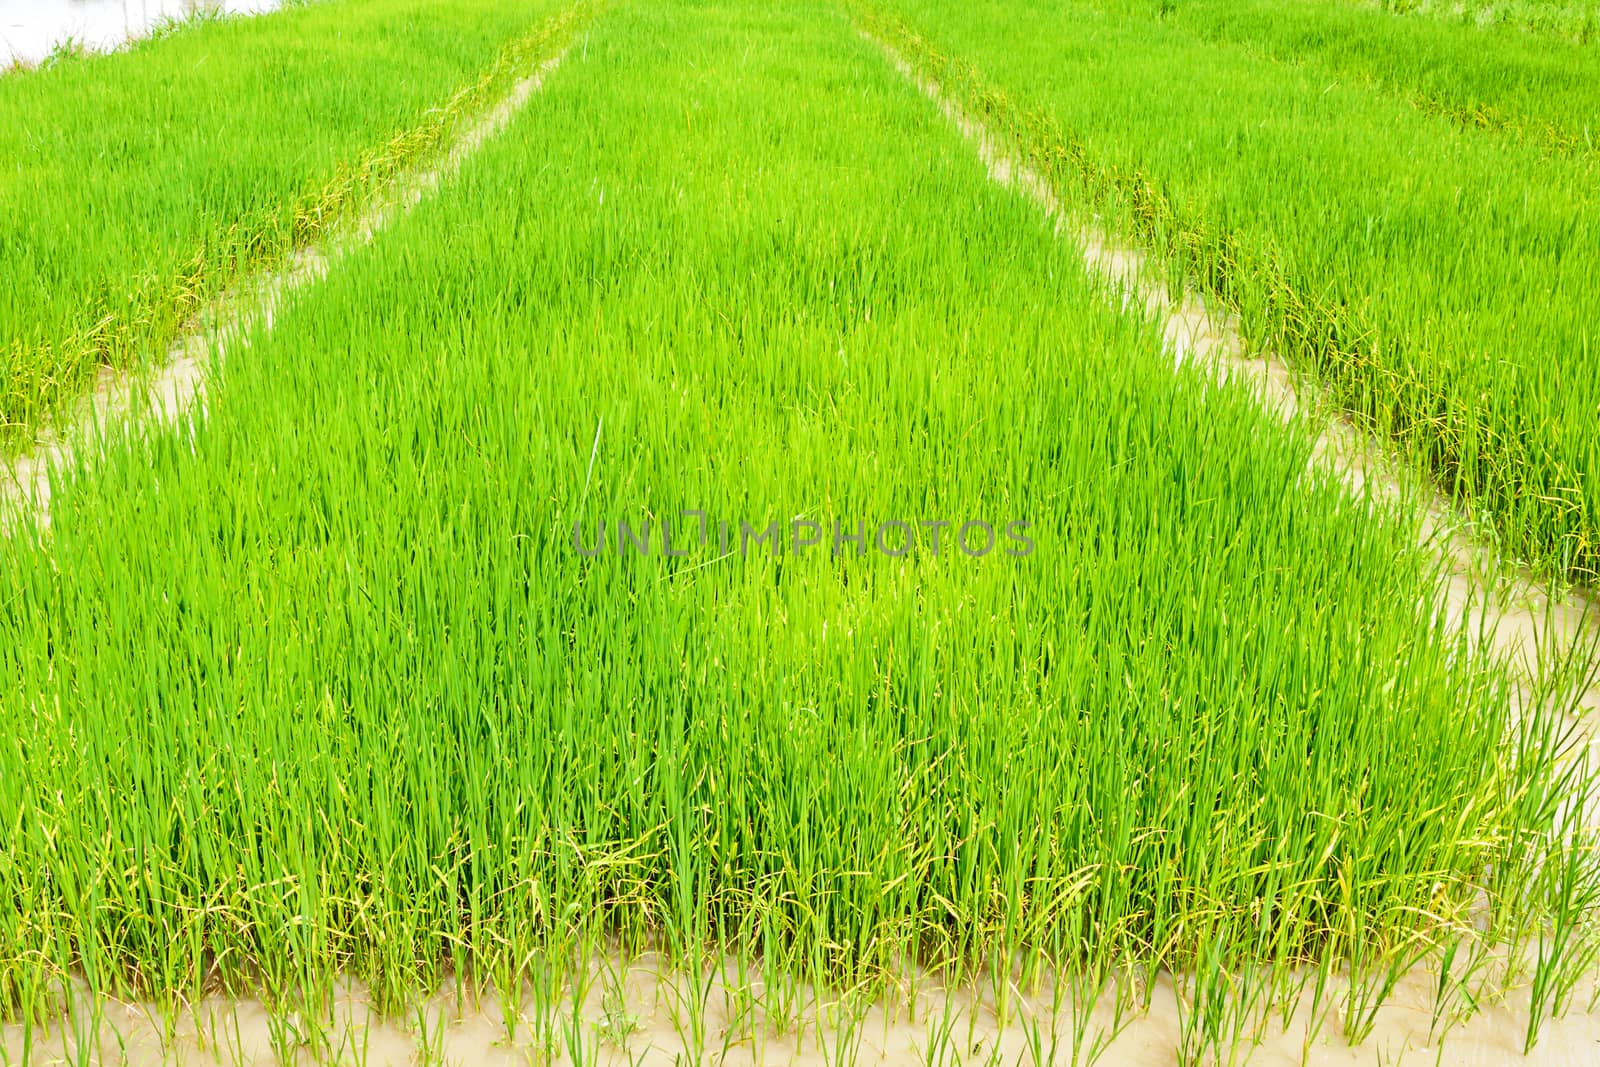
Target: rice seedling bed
1573	20
366	675
1433	279
1541	91
1511	614
136	186
168	394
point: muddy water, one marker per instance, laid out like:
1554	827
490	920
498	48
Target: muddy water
29	29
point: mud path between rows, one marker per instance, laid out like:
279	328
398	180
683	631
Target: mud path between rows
1503	610
164	398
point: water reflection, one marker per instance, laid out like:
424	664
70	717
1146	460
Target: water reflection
29	29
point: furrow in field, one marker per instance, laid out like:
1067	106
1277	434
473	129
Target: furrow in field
126	401
635	1012
1435	283
1514	615
139	186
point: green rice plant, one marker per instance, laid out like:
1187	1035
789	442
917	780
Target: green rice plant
327	682
64	50
1432	281
1539	91
1574	20
140	185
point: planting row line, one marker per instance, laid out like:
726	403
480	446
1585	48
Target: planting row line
139	186
1437	283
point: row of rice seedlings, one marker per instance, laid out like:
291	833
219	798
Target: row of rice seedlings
71	47
1539	91
323	687
1572	20
142	185
1434	281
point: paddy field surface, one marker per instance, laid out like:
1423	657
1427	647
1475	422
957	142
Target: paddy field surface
781	556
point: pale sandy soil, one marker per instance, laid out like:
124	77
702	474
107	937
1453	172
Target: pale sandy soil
631	1014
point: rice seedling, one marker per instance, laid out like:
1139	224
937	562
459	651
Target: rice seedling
327	685
65	50
1434	281
1543	92
140	185
1574	20
170	25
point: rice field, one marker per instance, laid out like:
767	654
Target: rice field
1574	20
1531	90
1430	275
140	185
723	532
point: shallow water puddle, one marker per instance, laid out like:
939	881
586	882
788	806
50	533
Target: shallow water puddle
30	29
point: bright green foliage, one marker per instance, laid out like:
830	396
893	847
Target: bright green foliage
1438	281
137	185
1574	20
1541	91
323	684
